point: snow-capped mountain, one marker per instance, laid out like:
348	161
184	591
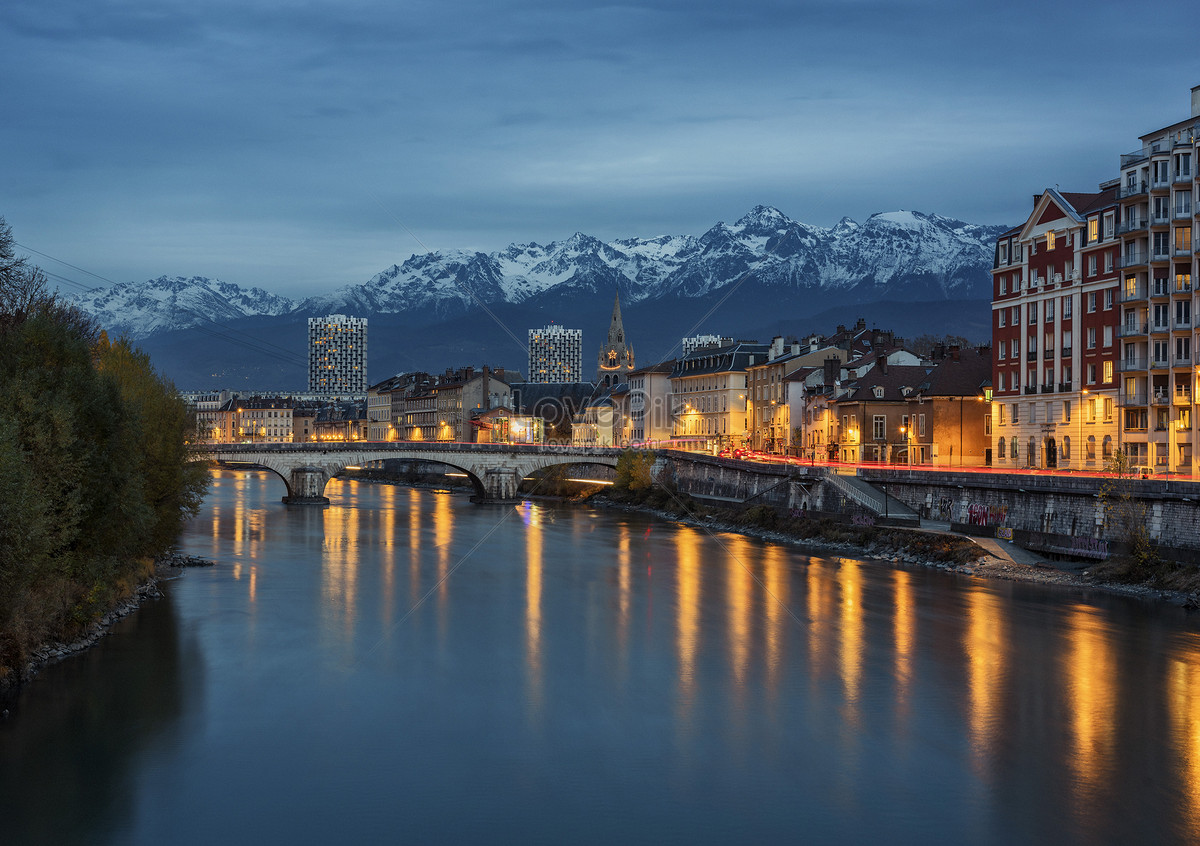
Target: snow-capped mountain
902	255
173	302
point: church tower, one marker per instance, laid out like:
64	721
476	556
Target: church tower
616	356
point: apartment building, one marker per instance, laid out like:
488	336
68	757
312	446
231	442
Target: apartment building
337	355
650	403
555	354
1056	302
708	393
1157	198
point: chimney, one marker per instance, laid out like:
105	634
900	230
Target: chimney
486	388
861	324
954	350
833	365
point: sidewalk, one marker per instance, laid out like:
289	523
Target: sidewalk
1007	551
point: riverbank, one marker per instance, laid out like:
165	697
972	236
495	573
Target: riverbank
941	550
164	567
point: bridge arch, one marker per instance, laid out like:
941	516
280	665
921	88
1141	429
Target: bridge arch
494	470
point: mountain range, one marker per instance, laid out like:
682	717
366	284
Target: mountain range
765	274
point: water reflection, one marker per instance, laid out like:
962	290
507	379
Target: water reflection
1183	706
904	639
687	620
985	641
799	691
1090	673
533	608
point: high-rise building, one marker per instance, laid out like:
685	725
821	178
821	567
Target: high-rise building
555	354
337	355
1158	355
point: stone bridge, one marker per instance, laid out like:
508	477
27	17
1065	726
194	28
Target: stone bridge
494	470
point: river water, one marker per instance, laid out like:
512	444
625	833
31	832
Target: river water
407	667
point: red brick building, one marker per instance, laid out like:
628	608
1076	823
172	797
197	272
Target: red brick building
1055	317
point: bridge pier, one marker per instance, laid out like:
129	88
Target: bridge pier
500	483
307	486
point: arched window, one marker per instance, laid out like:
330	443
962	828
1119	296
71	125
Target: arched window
1031	451
1003	454
1014	448
1066	447
1091	448
1107	447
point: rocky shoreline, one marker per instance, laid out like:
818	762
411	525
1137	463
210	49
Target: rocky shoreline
165	567
987	565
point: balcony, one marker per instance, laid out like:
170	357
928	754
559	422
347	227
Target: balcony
1159	328
1183	214
1182	362
1160	185
1159	364
1182	324
1127	365
1182	397
1066	353
1182	177
1064	387
1124	192
1129	331
1029	389
1159	398
1047	355
1135	292
1031	355
1182	252
1134	258
1183	286
1161	288
1160	254
1132	226
1160	220
1047	389
1136	398
1128	159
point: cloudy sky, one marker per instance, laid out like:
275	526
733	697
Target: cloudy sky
299	146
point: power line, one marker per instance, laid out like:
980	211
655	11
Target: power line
249	342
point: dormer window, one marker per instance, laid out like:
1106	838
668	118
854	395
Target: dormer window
878	391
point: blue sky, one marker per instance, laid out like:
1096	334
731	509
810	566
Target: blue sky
299	146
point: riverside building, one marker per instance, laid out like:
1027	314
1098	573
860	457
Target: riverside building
1055	303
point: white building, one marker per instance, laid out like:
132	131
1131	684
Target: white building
695	342
555	354
337	355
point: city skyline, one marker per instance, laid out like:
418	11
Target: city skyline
302	153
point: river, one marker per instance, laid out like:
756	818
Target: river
406	666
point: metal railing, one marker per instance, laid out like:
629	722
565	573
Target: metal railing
1133	259
1128	331
1125	191
1126	365
1137	292
1132	226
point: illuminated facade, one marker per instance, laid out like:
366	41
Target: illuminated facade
555	354
337	355
1056	335
1157	196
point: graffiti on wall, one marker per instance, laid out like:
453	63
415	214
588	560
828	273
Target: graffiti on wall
986	515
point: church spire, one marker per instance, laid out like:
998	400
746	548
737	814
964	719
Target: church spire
616	356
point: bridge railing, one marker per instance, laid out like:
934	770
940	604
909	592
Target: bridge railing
405	446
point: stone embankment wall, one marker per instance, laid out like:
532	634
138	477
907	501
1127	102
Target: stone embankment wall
1066	514
1057	514
791	487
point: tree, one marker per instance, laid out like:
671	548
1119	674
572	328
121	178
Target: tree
1129	515
634	470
